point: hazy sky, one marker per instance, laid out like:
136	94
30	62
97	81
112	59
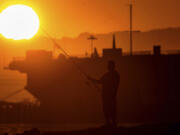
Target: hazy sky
71	17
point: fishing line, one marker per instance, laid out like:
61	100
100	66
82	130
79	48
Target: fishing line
66	54
12	94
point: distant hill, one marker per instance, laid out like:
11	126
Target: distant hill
168	38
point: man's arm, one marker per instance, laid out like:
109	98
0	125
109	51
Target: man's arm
94	80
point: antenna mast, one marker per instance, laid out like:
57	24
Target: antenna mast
131	28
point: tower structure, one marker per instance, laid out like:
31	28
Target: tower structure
92	38
113	52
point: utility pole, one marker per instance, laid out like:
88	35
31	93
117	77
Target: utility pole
131	29
92	38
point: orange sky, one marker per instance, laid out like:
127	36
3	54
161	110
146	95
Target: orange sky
71	17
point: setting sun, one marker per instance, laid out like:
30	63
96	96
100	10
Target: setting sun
19	22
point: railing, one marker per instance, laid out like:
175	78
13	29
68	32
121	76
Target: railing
171	52
164	52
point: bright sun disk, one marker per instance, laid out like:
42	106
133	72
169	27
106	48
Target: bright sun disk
19	22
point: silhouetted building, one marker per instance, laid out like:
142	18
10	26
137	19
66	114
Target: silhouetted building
112	52
149	86
39	55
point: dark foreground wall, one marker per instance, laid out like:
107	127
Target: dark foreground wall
149	88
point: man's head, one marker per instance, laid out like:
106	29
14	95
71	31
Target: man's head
111	65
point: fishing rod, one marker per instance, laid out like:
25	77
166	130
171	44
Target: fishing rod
66	54
73	62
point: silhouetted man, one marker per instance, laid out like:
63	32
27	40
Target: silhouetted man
110	84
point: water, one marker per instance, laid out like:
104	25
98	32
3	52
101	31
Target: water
11	81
